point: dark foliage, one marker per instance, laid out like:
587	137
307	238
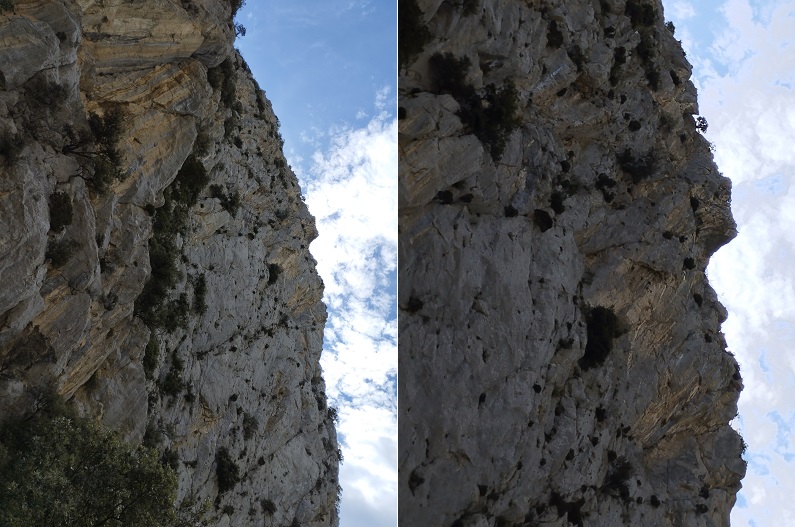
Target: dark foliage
450	74
57	467
619	59
60	251
554	36
250	426
640	13
639	168
60	211
556	202
602	329
10	146
151	355
268	507
172	383
616	479
226	471
571	510
223	77
229	201
236	5
490	116
6	5
152	305
542	219
444	197
107	131
274	270
412	32
200	295
469	7
202	144
647	51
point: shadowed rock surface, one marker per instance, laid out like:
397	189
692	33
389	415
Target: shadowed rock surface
154	253
561	355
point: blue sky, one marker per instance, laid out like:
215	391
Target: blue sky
329	69
744	68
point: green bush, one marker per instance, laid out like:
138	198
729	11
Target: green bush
151	355
107	131
602	328
229	201
200	295
641	14
10	146
250	426
152	304
6	5
60	211
226	471
60	251
223	77
450	74
469	7
619	59
173	384
58	469
236	5
202	144
413	34
639	168
492	116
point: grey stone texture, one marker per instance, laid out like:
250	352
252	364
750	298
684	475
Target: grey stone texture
561	360
242	374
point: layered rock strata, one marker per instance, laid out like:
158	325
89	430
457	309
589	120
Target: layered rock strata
154	252
561	355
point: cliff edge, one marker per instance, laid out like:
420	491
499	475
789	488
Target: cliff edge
154	252
561	355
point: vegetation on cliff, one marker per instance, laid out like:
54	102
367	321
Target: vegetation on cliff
57	468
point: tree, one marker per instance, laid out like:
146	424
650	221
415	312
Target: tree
60	469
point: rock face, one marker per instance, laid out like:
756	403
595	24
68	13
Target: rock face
154	252
561	356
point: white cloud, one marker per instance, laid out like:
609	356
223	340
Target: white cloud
351	190
682	10
745	78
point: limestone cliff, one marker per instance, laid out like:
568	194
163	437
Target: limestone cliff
154	253
561	355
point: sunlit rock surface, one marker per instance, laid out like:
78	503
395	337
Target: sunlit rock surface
561	360
241	371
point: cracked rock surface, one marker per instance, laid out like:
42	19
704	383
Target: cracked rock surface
224	363
561	359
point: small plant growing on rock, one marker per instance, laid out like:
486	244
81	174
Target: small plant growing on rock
151	355
10	147
639	168
60	211
490	116
640	13
236	5
226	471
60	251
413	33
602	329
229	201
200	295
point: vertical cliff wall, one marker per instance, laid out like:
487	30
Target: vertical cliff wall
154	253
561	356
